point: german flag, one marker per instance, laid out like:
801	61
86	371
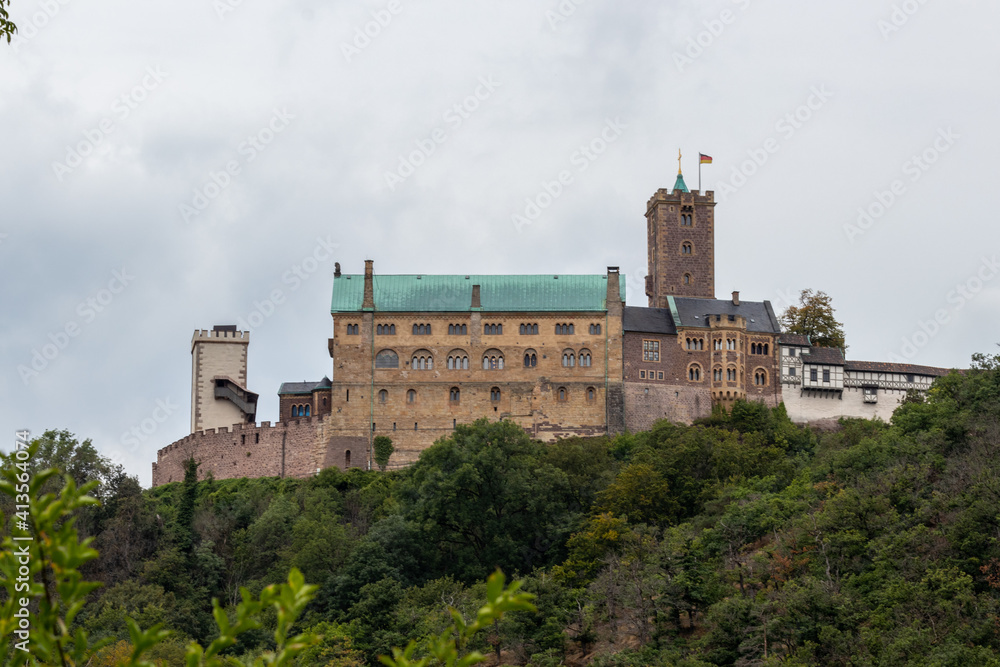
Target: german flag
704	159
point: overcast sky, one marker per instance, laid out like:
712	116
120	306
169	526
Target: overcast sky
170	166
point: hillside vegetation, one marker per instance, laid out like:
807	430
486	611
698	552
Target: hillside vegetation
740	540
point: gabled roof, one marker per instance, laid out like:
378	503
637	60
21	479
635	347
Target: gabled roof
886	367
794	339
648	320
303	387
692	313
430	293
832	356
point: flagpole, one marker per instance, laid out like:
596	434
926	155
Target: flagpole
699	173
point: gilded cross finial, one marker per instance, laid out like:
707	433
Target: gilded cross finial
679	162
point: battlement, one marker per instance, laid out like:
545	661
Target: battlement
220	334
281	449
669	196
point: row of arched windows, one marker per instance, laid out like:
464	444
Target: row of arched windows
529	330
421	330
695	343
457	329
564	329
385	329
301	410
758	348
570	358
455	395
492	329
493	359
694	374
352	329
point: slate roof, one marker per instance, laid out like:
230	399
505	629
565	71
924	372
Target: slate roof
648	320
886	367
794	339
303	387
503	293
691	313
832	356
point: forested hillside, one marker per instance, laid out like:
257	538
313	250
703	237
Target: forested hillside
741	540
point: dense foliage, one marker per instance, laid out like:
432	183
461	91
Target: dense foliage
741	540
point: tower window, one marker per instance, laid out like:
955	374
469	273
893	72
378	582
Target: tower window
383	396
562	394
454	395
411	396
687	278
687	249
495	394
591	394
717	375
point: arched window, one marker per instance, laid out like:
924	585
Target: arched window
386	359
495	394
687	278
718	343
411	396
730	344
686	248
347	459
454	395
731	374
386	329
585	357
564	329
422	361
561	394
694	373
383	396
458	360
308	410
591	394
530	358
493	360
717	375
595	329
760	377
569	359
765	349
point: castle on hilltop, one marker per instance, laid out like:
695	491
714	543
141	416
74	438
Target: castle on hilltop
561	355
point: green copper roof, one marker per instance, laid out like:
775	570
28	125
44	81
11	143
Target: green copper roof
416	293
679	184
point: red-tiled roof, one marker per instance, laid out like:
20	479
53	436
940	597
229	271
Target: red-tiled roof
794	339
886	367
824	355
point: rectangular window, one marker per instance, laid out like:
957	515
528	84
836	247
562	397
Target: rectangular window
826	375
659	376
642	375
791	371
650	350
812	374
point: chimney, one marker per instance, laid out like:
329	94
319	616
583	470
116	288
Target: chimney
614	287
369	298
476	300
736	298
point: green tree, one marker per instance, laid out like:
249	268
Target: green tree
7	28
383	449
487	497
813	317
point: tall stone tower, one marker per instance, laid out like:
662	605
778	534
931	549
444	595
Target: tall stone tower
680	230
219	397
